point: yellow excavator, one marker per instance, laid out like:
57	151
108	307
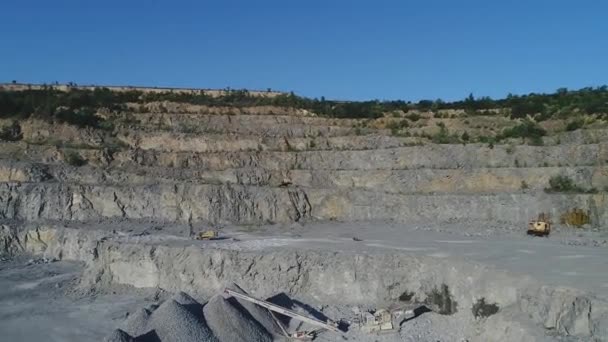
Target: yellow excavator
540	227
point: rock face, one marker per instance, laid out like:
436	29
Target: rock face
252	166
283	168
259	205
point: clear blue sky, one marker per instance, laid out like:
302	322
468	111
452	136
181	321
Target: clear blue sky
340	49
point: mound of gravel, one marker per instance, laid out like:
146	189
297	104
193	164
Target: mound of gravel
256	312
184	299
119	336
229	324
174	322
137	323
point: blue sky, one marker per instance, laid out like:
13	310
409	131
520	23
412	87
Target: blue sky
355	50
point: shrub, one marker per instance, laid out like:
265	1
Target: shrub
75	159
482	309
11	132
80	118
565	184
413	117
396	126
526	129
444	136
524	185
574	125
465	137
561	184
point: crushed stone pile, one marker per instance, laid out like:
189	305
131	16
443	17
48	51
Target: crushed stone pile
183	319
231	324
256	312
137	323
174	322
119	336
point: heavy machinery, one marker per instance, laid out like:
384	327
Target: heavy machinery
381	320
300	335
207	235
540	227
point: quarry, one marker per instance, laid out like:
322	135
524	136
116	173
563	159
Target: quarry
410	220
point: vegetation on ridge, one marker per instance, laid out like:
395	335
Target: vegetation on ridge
77	106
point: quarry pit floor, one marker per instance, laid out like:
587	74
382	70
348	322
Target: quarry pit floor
37	302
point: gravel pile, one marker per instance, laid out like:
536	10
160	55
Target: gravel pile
119	336
137	323
256	312
174	322
183	319
230	324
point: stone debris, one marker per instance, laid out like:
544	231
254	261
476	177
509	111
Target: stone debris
174	322
41	261
182	318
230	324
137	323
119	336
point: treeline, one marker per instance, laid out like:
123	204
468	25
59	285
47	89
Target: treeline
78	106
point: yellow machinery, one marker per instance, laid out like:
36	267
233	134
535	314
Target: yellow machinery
207	235
540	227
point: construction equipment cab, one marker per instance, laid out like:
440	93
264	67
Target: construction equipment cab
540	227
207	235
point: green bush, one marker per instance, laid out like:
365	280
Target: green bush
11	132
527	129
444	136
574	125
465	137
413	117
80	118
565	184
74	159
396	126
561	184
45	102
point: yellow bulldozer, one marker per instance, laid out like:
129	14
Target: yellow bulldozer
540	227
207	235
